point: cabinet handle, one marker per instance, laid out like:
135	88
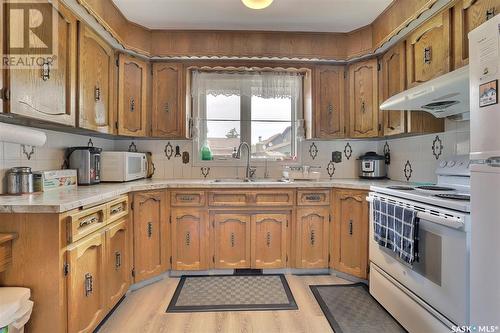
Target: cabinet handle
350	227
88	221
490	13
232	239
166	108
46	70
118	260
427	55
313	197
116	210
363	107
97	94
89	284
330	108
132	104
186	198
313	237
150	229
268	239
188	238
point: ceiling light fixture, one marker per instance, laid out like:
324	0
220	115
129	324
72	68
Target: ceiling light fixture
257	4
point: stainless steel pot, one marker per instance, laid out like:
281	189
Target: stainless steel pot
372	166
19	180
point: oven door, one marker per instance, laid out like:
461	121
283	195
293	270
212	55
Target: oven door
440	277
136	167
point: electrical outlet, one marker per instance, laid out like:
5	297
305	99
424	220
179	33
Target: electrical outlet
337	156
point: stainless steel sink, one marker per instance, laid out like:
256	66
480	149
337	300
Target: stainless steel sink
256	180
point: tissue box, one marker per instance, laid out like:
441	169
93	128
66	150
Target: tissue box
54	179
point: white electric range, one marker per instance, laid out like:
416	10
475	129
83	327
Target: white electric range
431	294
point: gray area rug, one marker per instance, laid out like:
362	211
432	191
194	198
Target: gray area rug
350	308
232	293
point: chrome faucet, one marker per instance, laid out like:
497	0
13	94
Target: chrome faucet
237	155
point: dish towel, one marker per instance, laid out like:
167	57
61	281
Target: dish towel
396	228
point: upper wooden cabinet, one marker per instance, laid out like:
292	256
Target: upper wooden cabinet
350	232
468	15
269	240
46	92
232	240
151	245
428	50
393	81
132	96
363	99
96	107
168	116
329	102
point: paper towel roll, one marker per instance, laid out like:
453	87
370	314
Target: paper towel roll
22	135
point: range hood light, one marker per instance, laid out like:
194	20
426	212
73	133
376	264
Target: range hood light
257	4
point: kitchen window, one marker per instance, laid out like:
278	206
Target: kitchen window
263	109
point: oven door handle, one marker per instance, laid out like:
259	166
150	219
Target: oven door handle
447	222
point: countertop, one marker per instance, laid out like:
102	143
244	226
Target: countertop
59	201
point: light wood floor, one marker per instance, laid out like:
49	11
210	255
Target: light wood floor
144	311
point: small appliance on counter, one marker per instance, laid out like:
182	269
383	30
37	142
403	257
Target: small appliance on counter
20	180
54	179
123	166
372	166
87	162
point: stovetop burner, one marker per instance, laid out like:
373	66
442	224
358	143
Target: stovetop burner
401	188
435	188
463	197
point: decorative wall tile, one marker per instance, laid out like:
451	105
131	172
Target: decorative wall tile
437	147
205	171
408	170
313	151
132	147
169	150
348	151
330	169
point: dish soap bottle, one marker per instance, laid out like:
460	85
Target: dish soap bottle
206	152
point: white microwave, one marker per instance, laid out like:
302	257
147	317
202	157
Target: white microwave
122	166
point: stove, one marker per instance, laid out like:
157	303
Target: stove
452	190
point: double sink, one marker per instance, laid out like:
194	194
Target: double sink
252	180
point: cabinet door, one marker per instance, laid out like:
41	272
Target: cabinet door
363	105
96	57
393	81
428	50
269	245
168	111
190	248
47	92
150	235
132	96
231	240
117	262
350	229
468	15
330	106
313	237
86	290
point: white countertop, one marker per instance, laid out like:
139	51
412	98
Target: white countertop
59	201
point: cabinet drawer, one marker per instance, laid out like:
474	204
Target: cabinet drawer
187	198
85	222
313	197
251	198
117	209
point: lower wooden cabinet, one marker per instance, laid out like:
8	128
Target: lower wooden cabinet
313	236
151	250
232	240
269	240
350	232
190	234
86	284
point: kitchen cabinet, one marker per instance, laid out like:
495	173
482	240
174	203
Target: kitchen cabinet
86	284
330	102
363	99
350	232
117	270
96	107
312	242
190	236
428	50
232	240
269	234
168	116
468	15
151	254
46	92
132	96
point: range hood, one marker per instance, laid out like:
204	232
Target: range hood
444	96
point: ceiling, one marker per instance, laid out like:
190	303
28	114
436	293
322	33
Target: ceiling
281	15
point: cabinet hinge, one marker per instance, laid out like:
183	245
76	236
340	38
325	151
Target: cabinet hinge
287	258
329	257
131	205
330	218
133	272
368	269
287	223
66	269
117	62
345	75
379	67
213	259
379	127
116	124
5	95
170	260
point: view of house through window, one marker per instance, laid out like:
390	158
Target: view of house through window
262	109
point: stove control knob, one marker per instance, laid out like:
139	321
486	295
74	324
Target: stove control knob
443	164
451	164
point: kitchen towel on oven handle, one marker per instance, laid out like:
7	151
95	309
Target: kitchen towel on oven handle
396	228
